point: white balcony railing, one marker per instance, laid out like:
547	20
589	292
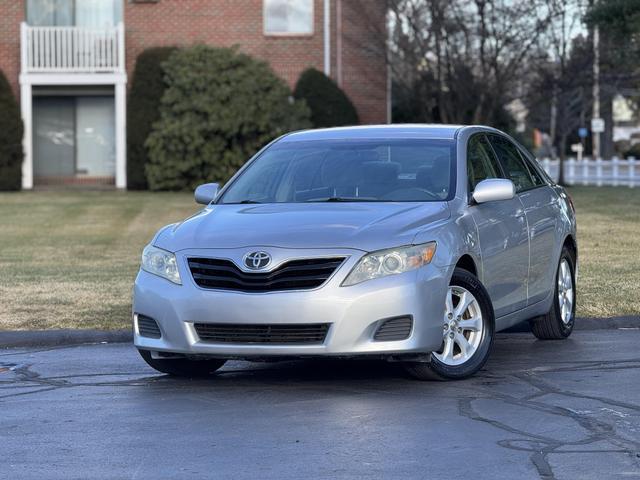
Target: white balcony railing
72	49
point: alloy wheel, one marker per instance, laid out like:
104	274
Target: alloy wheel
462	328
565	292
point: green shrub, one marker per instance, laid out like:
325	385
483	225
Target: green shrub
218	109
633	151
147	87
330	106
11	154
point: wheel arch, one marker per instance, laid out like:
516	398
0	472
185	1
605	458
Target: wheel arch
466	262
571	244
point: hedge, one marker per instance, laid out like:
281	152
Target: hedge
143	109
11	154
330	106
218	109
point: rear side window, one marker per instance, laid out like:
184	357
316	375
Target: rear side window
481	162
512	163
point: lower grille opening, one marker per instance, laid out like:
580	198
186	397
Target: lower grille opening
289	334
394	329
148	327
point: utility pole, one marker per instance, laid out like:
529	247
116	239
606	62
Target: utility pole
596	91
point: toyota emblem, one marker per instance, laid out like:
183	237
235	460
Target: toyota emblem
257	260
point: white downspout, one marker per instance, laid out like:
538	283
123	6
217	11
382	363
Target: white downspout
327	37
339	42
26	110
121	113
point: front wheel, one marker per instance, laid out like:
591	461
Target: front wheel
468	330
182	367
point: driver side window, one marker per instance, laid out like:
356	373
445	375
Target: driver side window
481	162
512	163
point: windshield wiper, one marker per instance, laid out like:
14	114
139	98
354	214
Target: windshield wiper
343	199
243	202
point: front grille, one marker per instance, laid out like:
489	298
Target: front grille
222	274
298	334
148	327
394	329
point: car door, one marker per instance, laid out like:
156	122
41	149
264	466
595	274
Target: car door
502	233
537	200
542	208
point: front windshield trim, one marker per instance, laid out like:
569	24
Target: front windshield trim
284	143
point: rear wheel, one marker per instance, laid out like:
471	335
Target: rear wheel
468	330
558	323
182	367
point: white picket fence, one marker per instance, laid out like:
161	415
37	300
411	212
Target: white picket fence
615	172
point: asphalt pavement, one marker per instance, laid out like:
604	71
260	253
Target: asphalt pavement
564	410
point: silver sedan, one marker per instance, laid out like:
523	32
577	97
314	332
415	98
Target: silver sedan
413	243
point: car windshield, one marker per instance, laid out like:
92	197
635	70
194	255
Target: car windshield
389	170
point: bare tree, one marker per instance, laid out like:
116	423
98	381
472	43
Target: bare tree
564	68
463	60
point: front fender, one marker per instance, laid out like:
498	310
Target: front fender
456	237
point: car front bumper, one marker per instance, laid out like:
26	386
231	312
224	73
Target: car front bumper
354	313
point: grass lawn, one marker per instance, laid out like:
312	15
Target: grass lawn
68	259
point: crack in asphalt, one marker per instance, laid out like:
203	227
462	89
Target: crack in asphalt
539	446
542	446
26	375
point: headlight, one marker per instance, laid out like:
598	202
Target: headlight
390	262
161	263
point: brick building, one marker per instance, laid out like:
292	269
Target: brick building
66	63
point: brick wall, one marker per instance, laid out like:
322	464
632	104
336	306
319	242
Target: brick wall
363	72
220	23
11	14
240	22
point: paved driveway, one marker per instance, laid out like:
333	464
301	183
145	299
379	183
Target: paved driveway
539	410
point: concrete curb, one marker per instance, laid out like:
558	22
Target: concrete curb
54	338
629	321
586	323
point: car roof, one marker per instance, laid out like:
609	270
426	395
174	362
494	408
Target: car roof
435	131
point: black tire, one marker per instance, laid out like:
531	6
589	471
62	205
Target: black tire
551	326
182	367
434	369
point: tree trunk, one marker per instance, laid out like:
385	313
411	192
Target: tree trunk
563	146
553	118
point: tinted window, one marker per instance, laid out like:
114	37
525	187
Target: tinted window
481	162
403	170
537	173
512	163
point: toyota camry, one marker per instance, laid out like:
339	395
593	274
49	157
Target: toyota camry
411	243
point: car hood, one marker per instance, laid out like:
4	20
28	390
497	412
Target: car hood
363	226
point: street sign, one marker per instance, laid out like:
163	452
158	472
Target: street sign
597	125
583	132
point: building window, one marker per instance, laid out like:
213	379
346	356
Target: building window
288	17
74	138
79	13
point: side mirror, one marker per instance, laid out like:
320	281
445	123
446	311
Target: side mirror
493	189
206	193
